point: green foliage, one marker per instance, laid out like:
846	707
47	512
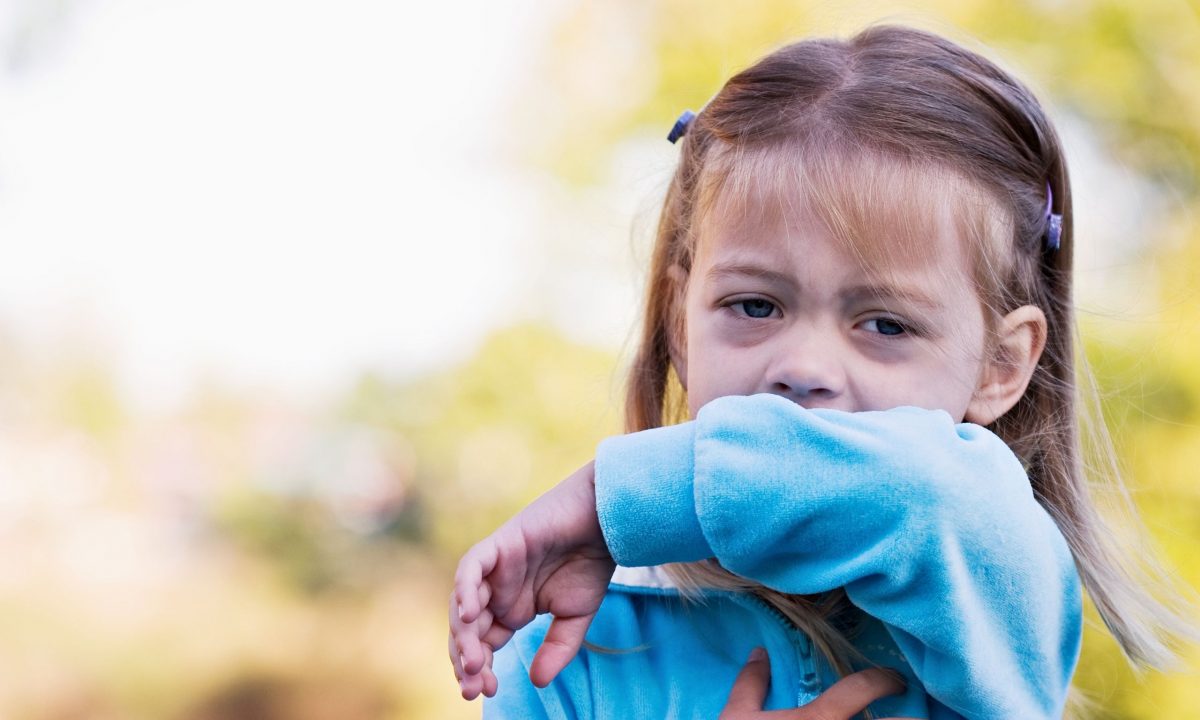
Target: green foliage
1130	67
496	431
292	535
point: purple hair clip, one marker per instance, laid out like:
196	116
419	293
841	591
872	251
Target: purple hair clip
681	126
1054	222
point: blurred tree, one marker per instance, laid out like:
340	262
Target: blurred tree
496	431
624	68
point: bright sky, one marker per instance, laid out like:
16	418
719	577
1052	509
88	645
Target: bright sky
274	192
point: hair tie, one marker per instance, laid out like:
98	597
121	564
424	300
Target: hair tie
1054	222
681	126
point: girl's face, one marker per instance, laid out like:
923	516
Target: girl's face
780	306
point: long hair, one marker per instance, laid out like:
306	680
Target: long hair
829	118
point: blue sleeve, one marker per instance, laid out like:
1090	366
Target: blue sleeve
930	527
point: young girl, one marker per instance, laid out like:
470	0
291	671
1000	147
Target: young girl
861	294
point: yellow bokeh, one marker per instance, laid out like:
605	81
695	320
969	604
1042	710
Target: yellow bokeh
248	553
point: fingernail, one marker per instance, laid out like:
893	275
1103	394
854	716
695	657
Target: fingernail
460	611
758	653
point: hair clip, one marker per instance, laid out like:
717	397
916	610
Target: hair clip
681	126
1054	222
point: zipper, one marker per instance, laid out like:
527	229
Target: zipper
810	680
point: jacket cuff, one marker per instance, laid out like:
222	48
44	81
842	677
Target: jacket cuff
645	497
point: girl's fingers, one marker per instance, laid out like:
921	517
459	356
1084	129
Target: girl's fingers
844	700
750	687
483	681
466	651
485	595
852	694
508	579
497	635
474	566
470	644
560	645
471	686
456	631
490	684
455	660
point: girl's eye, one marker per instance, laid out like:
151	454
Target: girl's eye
885	326
756	308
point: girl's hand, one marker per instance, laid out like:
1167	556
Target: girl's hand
842	701
551	558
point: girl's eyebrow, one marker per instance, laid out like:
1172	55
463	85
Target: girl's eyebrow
882	291
888	291
725	270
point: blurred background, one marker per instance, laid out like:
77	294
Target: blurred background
300	299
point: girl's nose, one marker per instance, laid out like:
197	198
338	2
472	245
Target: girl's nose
809	373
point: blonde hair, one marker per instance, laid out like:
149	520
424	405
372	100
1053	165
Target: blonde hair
951	127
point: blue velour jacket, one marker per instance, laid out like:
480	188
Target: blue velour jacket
931	528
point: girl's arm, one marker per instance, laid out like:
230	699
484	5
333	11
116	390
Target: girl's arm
930	526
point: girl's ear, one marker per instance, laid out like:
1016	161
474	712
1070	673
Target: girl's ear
1020	339
676	322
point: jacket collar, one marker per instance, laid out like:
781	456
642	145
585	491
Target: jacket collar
643	577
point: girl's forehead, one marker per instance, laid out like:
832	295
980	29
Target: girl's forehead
885	212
